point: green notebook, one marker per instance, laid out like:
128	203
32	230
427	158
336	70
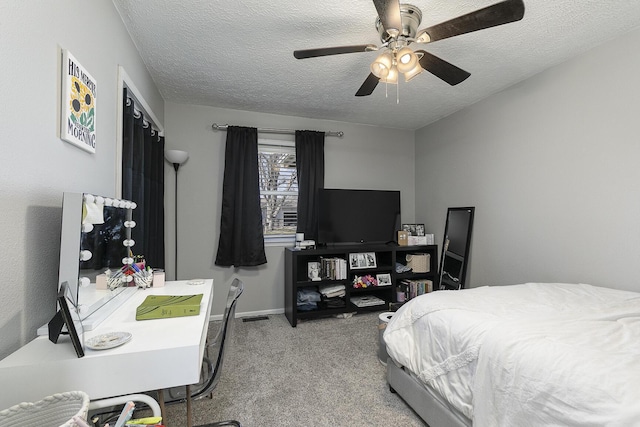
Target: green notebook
165	306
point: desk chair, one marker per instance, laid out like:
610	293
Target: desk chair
211	367
217	348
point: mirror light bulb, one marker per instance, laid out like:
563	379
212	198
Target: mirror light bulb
85	255
133	205
84	282
100	200
87	227
89	198
108	202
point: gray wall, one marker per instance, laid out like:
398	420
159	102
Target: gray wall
551	166
367	157
37	167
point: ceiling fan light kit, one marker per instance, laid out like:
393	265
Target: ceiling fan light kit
382	65
407	60
397	25
392	77
408	75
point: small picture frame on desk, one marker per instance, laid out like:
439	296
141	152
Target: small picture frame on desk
362	260
66	317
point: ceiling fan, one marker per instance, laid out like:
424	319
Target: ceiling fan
398	24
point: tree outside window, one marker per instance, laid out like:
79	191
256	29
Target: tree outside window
278	188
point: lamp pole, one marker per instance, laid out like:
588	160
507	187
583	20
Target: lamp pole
176	158
176	166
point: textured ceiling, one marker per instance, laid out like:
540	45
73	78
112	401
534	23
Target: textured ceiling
239	53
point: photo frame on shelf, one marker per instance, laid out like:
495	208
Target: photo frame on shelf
362	260
67	317
384	279
414	229
313	270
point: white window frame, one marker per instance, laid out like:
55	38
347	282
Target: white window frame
285	147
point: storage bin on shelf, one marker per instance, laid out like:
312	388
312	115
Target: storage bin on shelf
419	263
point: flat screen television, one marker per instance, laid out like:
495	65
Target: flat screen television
358	216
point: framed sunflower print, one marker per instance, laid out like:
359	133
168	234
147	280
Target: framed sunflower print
78	104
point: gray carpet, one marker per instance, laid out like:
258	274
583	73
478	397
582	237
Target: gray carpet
325	372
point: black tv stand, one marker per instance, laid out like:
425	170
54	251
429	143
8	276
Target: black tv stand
386	256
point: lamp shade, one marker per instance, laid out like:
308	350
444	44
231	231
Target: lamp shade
407	60
382	65
413	72
392	77
176	156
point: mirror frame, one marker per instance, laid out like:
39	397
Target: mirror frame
94	312
461	259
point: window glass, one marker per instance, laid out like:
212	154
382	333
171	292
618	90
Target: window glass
278	190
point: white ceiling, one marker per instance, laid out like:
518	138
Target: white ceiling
238	54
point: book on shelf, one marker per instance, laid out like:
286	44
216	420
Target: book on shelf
366	301
414	288
166	306
333	268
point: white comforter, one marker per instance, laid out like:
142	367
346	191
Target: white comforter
533	354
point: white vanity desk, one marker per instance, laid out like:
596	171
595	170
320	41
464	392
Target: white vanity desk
162	353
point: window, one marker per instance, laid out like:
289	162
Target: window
278	190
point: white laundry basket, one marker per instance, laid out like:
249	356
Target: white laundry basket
383	319
52	411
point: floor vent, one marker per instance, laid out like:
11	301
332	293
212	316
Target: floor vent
254	318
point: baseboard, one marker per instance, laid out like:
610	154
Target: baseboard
249	314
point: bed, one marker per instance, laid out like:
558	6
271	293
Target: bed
529	354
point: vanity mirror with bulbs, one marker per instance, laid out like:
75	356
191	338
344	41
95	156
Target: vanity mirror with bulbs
95	245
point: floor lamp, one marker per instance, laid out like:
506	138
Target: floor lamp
176	157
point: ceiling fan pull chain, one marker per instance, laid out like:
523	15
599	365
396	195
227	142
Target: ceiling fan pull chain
398	92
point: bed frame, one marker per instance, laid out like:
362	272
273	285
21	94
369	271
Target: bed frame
423	400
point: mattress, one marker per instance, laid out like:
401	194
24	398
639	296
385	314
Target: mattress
487	350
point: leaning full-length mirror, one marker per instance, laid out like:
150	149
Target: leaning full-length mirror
455	248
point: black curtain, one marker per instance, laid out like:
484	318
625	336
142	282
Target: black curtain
143	183
241	241
310	170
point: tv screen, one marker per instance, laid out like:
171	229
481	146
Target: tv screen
358	216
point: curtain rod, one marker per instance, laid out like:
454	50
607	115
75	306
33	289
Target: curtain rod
339	134
146	122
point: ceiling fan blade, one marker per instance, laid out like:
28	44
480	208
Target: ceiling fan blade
368	86
325	51
490	16
389	14
442	69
